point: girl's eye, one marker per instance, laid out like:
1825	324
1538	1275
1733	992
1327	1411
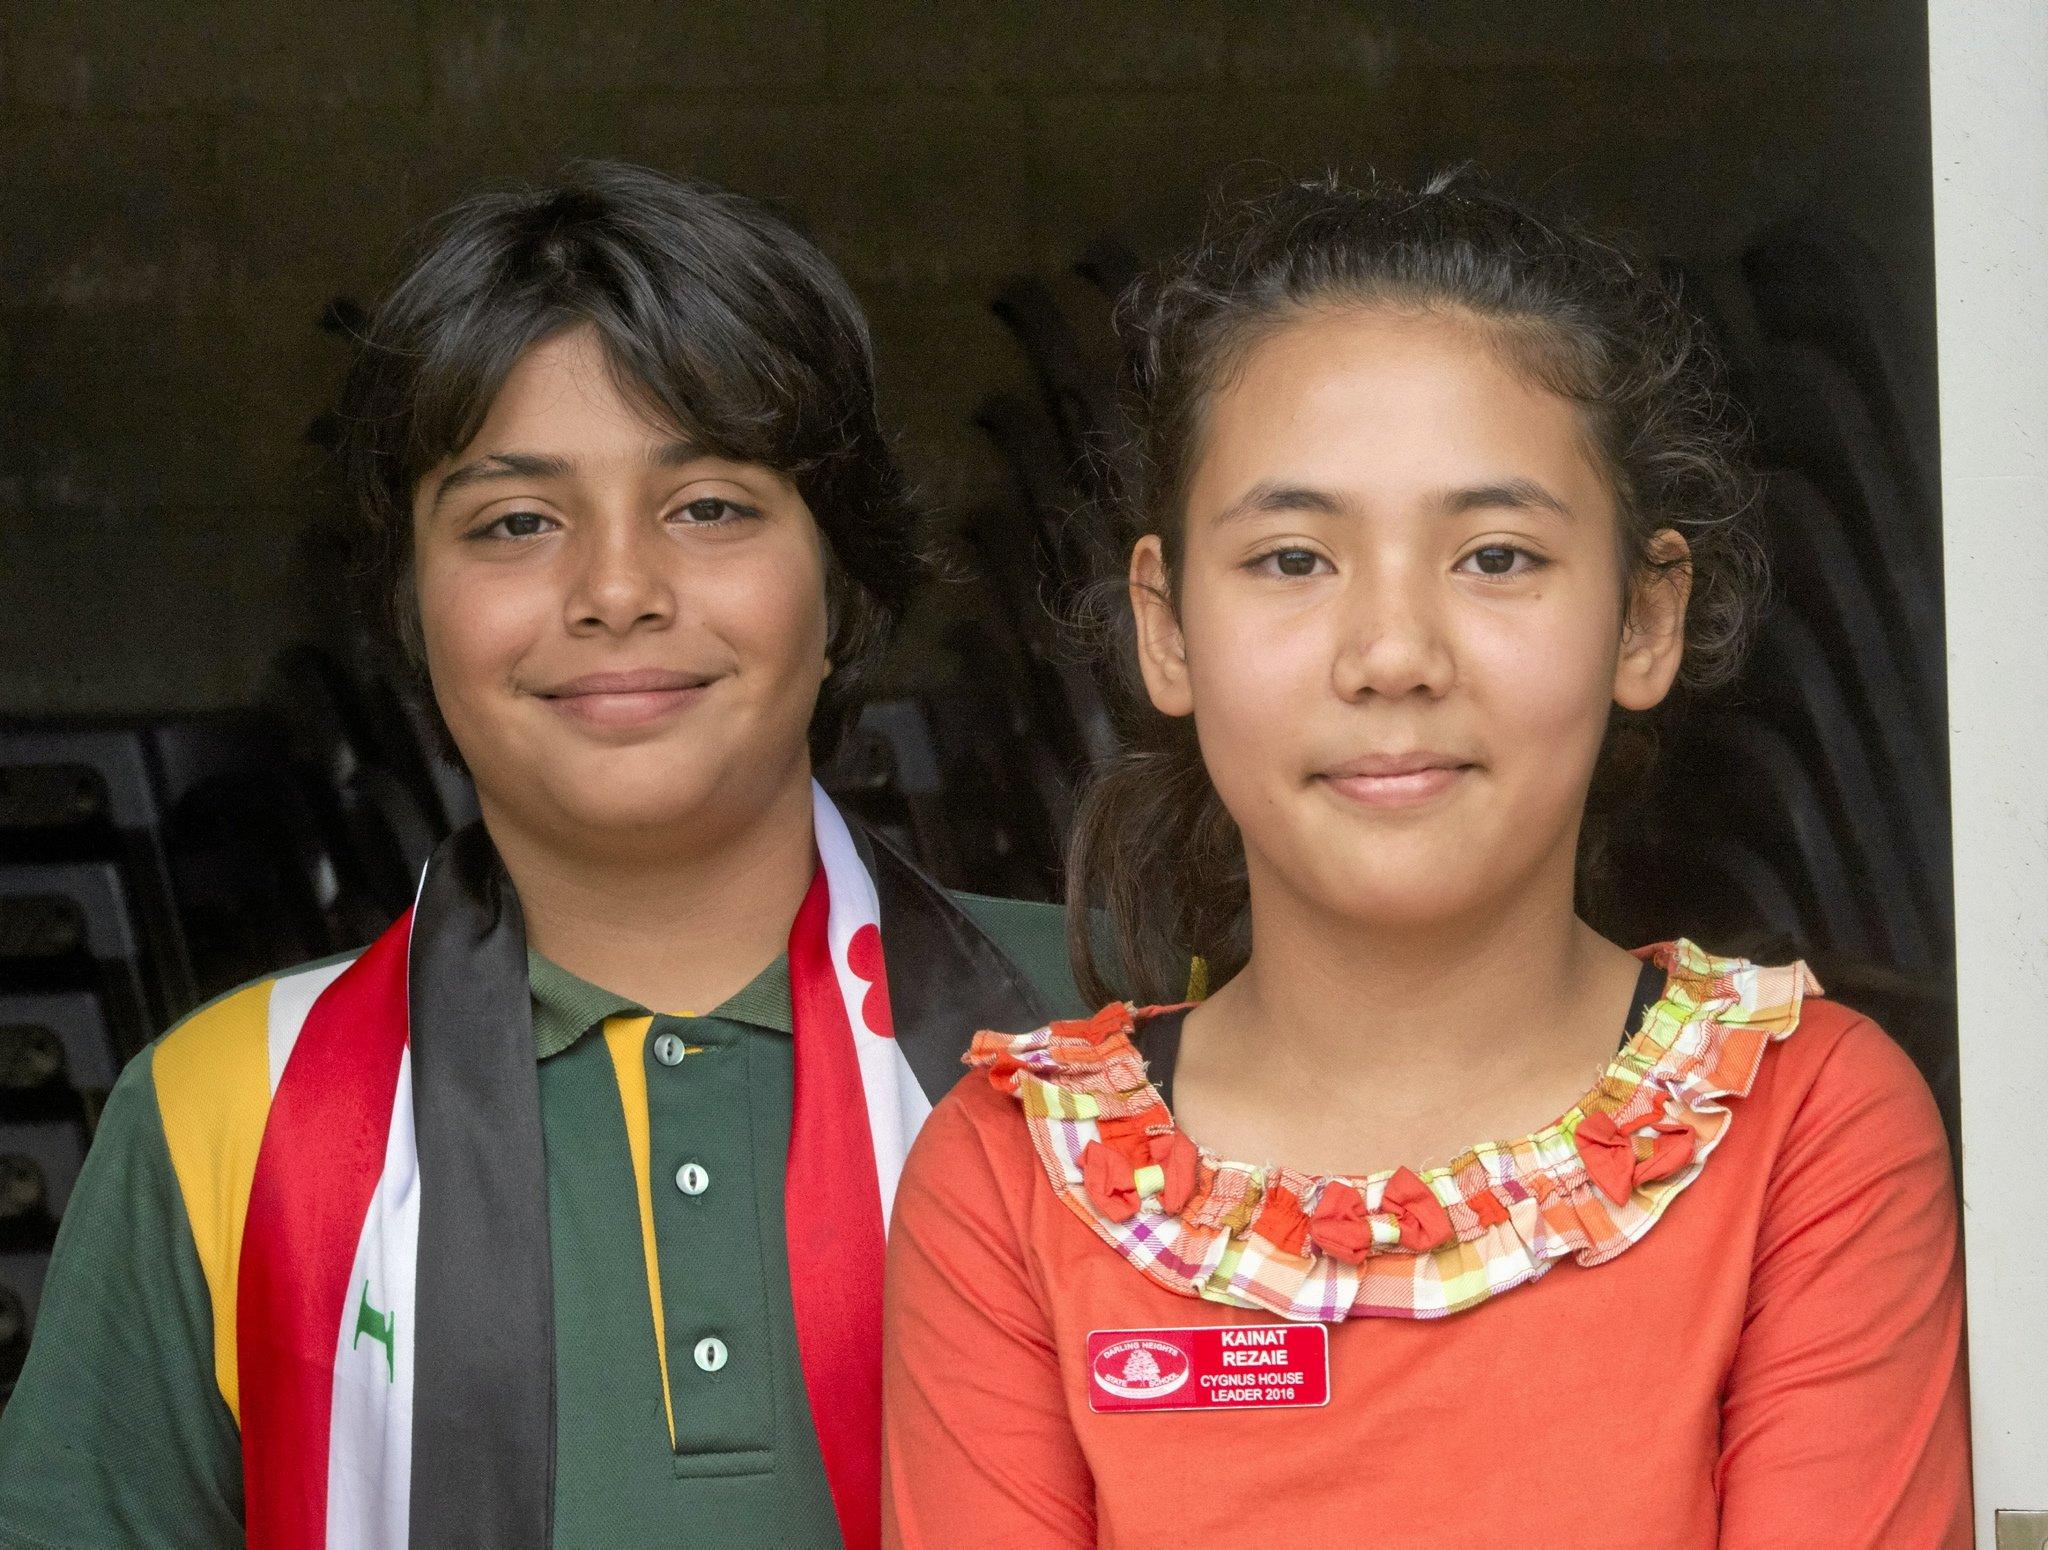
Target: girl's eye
1499	560
710	511
1289	562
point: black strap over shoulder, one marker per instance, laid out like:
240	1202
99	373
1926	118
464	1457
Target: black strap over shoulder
483	1434
947	977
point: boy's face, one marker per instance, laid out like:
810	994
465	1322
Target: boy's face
625	636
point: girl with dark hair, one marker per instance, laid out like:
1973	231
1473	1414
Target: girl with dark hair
1432	503
483	1236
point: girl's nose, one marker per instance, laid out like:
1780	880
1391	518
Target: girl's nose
1391	640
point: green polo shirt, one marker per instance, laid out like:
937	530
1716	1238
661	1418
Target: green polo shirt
681	1416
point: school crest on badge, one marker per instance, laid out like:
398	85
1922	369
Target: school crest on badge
1140	1368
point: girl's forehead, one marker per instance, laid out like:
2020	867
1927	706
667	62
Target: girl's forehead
1382	400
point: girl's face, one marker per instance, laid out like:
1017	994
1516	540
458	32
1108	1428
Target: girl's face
624	634
1399	623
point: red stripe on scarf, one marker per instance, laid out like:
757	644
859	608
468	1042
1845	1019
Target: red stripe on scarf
316	1174
834	1214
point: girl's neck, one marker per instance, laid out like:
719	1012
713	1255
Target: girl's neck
1346	1047
675	922
1329	995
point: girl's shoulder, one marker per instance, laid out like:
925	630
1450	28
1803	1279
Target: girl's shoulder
1073	1104
1842	1099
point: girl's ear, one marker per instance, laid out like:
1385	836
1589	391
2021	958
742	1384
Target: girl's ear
1653	633
1162	653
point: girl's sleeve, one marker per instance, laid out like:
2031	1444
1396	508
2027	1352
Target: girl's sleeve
977	1445
1844	1423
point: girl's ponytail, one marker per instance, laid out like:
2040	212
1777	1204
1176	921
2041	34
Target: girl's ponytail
1155	860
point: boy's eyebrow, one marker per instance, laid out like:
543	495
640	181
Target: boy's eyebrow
544	465
674	454
502	465
1508	494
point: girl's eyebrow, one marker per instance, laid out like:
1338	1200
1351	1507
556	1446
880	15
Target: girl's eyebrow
1509	494
1517	494
1267	496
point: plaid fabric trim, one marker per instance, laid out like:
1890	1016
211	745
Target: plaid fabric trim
1515	1207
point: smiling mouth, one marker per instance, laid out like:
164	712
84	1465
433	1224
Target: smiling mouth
1396	781
625	699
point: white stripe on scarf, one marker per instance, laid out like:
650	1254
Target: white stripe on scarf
896	1103
369	1444
291	998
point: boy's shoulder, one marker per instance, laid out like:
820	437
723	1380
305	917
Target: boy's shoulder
1034	937
242	1013
213	1071
1001	917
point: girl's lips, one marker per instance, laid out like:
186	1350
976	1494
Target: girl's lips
1408	788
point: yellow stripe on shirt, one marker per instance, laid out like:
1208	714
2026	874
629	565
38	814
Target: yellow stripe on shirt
626	1038
212	1079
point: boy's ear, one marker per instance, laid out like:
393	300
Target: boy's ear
1653	633
1162	653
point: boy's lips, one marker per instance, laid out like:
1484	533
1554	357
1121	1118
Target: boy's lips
629	698
1396	780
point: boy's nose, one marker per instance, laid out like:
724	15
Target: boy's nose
620	583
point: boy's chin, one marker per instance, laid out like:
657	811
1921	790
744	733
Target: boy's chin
630	811
624	813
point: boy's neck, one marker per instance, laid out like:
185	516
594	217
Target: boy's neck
677	923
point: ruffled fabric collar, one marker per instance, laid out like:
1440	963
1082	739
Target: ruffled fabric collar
1397	1244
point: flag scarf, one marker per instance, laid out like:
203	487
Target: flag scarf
394	1284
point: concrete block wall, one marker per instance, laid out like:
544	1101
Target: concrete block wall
183	187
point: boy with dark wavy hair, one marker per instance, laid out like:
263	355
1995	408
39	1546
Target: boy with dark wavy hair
557	1213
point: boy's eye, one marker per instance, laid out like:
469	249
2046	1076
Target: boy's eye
709	510
1498	560
1289	562
518	524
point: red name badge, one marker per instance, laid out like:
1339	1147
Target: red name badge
1229	1366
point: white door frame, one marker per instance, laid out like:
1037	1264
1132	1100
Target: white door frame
1988	75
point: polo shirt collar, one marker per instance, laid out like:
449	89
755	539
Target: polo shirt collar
566	1007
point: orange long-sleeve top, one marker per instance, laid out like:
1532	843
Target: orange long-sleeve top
1776	1363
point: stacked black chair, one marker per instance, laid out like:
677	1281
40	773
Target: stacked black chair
92	960
1810	806
149	865
1812	283
1035	555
